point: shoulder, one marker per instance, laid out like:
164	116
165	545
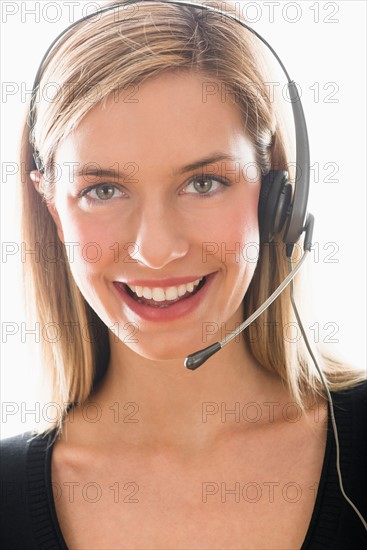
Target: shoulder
21	468
352	401
13	475
335	524
350	410
14	465
13	452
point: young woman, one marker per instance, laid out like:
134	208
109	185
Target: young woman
151	158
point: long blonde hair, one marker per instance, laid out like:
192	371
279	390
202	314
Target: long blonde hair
104	56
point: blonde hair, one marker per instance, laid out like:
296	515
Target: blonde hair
106	55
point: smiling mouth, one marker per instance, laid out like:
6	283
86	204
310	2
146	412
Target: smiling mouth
165	303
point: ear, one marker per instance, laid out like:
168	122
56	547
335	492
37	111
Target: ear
36	177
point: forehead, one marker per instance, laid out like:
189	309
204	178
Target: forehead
170	117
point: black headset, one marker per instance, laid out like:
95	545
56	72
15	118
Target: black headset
276	204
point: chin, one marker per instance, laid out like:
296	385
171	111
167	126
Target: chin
164	351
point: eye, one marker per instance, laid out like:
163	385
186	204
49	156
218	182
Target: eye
101	193
205	185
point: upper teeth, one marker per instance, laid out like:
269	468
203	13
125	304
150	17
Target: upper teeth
159	294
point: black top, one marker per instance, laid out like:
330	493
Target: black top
29	518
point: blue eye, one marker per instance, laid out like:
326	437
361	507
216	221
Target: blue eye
206	185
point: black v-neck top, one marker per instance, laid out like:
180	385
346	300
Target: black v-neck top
29	519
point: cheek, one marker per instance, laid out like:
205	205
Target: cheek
89	246
237	233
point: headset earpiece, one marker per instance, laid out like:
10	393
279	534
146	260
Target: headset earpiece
275	199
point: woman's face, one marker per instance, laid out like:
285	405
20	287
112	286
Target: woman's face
179	203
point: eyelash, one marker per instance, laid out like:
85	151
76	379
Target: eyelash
84	193
223	183
204	177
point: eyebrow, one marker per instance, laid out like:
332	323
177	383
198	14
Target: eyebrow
100	172
113	173
210	159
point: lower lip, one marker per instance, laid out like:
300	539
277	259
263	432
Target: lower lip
169	313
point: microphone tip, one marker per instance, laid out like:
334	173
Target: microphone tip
195	360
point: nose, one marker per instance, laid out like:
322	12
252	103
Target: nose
160	237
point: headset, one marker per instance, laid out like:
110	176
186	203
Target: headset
279	208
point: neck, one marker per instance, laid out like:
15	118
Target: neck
160	403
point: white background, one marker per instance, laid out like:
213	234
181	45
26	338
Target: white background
322	45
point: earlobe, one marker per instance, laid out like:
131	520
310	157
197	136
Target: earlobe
36	178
